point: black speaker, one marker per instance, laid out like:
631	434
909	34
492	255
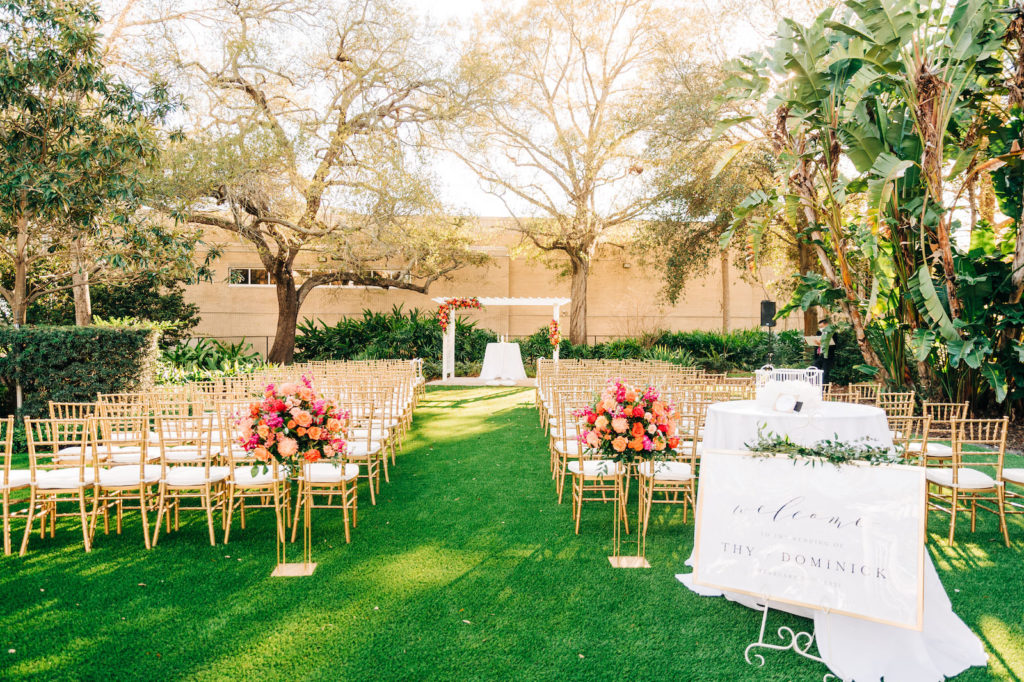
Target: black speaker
767	313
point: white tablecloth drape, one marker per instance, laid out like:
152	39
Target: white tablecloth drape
503	361
730	426
865	651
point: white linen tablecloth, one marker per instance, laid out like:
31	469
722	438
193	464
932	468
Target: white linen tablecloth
503	361
731	425
862	650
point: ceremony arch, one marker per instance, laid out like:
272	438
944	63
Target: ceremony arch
448	345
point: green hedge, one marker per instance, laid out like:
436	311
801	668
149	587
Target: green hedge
73	364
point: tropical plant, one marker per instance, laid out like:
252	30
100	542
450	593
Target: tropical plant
880	118
211	354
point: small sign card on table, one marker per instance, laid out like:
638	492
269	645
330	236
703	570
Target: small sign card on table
849	538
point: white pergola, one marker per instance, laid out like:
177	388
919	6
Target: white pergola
448	346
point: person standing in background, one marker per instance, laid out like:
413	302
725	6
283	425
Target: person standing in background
822	360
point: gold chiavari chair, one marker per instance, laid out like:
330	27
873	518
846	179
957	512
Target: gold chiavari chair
593	480
122	443
898	404
329	480
975	478
909	434
362	449
865	392
262	484
12	479
563	435
187	470
1013	486
674	476
836	393
72	410
941	417
58	479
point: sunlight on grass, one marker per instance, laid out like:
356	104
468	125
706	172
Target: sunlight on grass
1006	647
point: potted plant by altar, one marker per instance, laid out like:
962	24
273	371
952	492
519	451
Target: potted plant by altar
624	428
292	427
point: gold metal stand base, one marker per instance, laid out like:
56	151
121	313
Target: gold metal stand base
293	570
628	562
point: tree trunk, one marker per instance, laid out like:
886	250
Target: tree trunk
804	264
80	280
19	306
726	307
283	350
580	270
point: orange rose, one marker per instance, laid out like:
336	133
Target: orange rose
630	396
659	444
312	455
334	425
290	424
262	454
303	418
314	432
619	444
638	430
636	444
300	432
263	430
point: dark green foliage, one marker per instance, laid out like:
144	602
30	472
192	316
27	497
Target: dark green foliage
73	364
210	354
151	299
397	334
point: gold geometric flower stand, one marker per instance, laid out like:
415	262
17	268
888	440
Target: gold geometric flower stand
639	560
306	566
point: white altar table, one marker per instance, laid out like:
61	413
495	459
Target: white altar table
503	362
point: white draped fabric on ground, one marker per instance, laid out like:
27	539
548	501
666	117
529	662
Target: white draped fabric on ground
862	650
730	426
852	648
503	361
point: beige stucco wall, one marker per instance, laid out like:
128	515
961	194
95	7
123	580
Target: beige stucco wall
621	301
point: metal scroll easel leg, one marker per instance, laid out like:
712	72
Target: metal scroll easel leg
799	642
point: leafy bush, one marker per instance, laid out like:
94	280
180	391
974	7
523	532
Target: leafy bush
397	334
73	364
211	355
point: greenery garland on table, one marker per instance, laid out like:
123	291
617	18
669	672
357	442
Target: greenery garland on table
832	451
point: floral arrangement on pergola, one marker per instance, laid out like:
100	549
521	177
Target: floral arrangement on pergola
449	305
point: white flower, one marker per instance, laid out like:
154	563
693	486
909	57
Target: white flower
652	429
648	416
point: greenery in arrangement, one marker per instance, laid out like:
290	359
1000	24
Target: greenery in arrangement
828	450
73	364
476	575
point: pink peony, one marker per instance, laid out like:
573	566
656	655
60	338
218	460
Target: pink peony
619	425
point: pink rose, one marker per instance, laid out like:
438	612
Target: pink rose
592	439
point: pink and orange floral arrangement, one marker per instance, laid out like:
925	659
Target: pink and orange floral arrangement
292	425
554	334
454	304
627	424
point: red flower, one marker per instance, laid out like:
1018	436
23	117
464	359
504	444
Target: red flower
591	419
673	442
663	428
638	412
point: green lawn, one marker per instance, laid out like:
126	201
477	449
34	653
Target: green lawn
466	569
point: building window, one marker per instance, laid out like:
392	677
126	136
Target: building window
249	276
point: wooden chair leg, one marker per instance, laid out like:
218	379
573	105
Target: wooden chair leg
143	503
7	523
231	512
28	523
952	517
207	503
84	516
160	507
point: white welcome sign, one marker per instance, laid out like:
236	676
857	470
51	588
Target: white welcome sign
849	539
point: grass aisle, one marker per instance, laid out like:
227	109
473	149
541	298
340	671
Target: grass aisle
466	569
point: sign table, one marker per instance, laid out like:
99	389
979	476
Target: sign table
731	425
842	545
502	361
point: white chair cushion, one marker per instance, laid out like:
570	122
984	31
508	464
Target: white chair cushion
967	478
190	477
328	472
183	453
359	449
1011	475
666	471
244	476
129	454
128	475
567	447
375	434
16	478
595	468
63	479
934	449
